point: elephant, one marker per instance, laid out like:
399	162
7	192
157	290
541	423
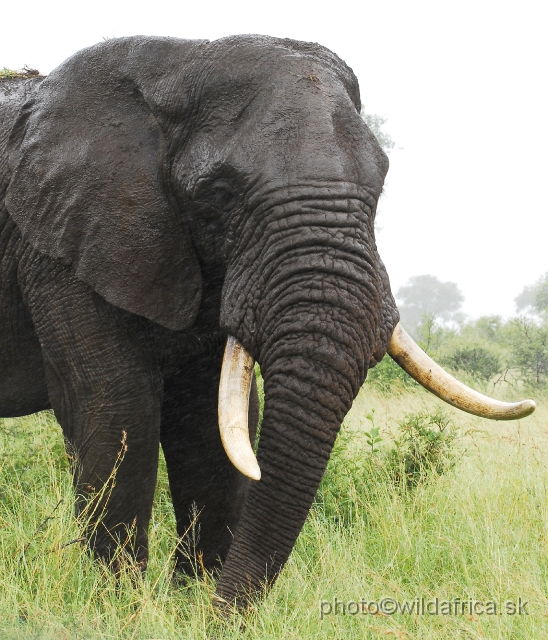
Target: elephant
171	212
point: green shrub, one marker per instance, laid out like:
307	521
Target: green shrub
423	450
365	466
476	361
349	480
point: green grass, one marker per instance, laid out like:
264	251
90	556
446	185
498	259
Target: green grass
479	531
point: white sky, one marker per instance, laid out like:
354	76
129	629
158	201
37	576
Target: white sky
463	85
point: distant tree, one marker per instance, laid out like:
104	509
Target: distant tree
427	300
375	124
528	341
486	328
534	297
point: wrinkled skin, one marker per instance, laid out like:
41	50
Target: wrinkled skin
156	195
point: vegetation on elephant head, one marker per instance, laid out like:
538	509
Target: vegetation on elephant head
25	72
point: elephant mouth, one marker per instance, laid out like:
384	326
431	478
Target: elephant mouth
235	385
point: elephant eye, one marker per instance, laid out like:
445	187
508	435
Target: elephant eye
223	195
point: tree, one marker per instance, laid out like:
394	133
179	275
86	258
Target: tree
427	299
528	343
375	124
534	297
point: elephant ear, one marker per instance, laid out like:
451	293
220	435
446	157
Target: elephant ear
89	188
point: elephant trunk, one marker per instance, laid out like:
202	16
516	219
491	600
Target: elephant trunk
307	394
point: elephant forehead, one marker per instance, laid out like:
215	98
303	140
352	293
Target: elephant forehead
276	53
251	64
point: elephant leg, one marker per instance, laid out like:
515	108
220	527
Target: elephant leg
106	391
207	491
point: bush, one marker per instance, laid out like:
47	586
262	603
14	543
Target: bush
476	361
350	480
425	449
360	471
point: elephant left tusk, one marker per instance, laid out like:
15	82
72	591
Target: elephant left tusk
420	366
234	389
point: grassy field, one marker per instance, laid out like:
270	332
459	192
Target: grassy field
477	533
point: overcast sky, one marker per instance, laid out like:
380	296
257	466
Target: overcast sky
462	84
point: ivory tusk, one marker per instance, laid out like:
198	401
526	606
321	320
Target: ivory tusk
234	389
414	361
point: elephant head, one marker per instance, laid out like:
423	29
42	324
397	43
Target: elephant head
232	186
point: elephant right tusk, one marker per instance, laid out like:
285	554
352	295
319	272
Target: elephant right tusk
412	359
234	389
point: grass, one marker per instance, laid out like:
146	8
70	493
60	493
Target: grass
479	531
